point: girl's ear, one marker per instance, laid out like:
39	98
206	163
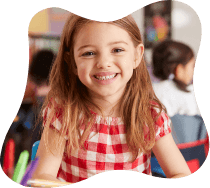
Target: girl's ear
138	55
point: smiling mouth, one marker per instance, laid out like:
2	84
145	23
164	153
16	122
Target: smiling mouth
105	77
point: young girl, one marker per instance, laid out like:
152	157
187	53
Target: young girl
173	63
101	112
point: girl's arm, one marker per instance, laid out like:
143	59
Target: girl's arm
49	162
170	158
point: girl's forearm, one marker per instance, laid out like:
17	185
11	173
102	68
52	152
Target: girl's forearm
180	175
46	177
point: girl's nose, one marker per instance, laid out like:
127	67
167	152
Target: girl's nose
103	62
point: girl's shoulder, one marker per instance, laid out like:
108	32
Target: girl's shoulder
53	103
53	114
53	107
162	122
175	100
164	88
158	113
156	107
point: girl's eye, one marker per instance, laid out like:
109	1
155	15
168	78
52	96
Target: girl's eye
88	54
117	50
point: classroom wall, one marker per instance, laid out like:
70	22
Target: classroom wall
185	23
48	21
39	23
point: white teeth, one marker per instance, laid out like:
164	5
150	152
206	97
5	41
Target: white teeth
105	77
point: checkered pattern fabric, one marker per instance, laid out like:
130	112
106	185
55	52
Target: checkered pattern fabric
106	149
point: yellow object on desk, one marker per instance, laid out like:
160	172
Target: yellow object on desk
45	183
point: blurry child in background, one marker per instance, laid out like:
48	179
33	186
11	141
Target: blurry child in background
173	63
39	70
26	128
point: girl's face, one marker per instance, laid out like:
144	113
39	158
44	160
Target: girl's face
189	68
105	57
186	72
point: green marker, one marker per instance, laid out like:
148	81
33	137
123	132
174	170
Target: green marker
21	166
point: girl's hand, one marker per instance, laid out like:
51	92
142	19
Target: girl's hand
170	158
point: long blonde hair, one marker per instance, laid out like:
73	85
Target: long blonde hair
73	98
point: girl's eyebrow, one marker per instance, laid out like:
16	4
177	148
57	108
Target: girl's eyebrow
85	46
117	42
111	43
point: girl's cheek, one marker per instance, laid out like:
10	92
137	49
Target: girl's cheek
82	68
82	79
82	65
124	63
82	74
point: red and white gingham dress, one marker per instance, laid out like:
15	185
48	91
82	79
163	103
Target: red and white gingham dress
106	149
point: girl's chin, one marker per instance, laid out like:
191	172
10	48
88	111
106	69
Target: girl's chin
103	94
111	95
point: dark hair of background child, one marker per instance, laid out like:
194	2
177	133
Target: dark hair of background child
39	71
40	66
167	56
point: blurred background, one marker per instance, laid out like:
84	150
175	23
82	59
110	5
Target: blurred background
168	20
157	22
